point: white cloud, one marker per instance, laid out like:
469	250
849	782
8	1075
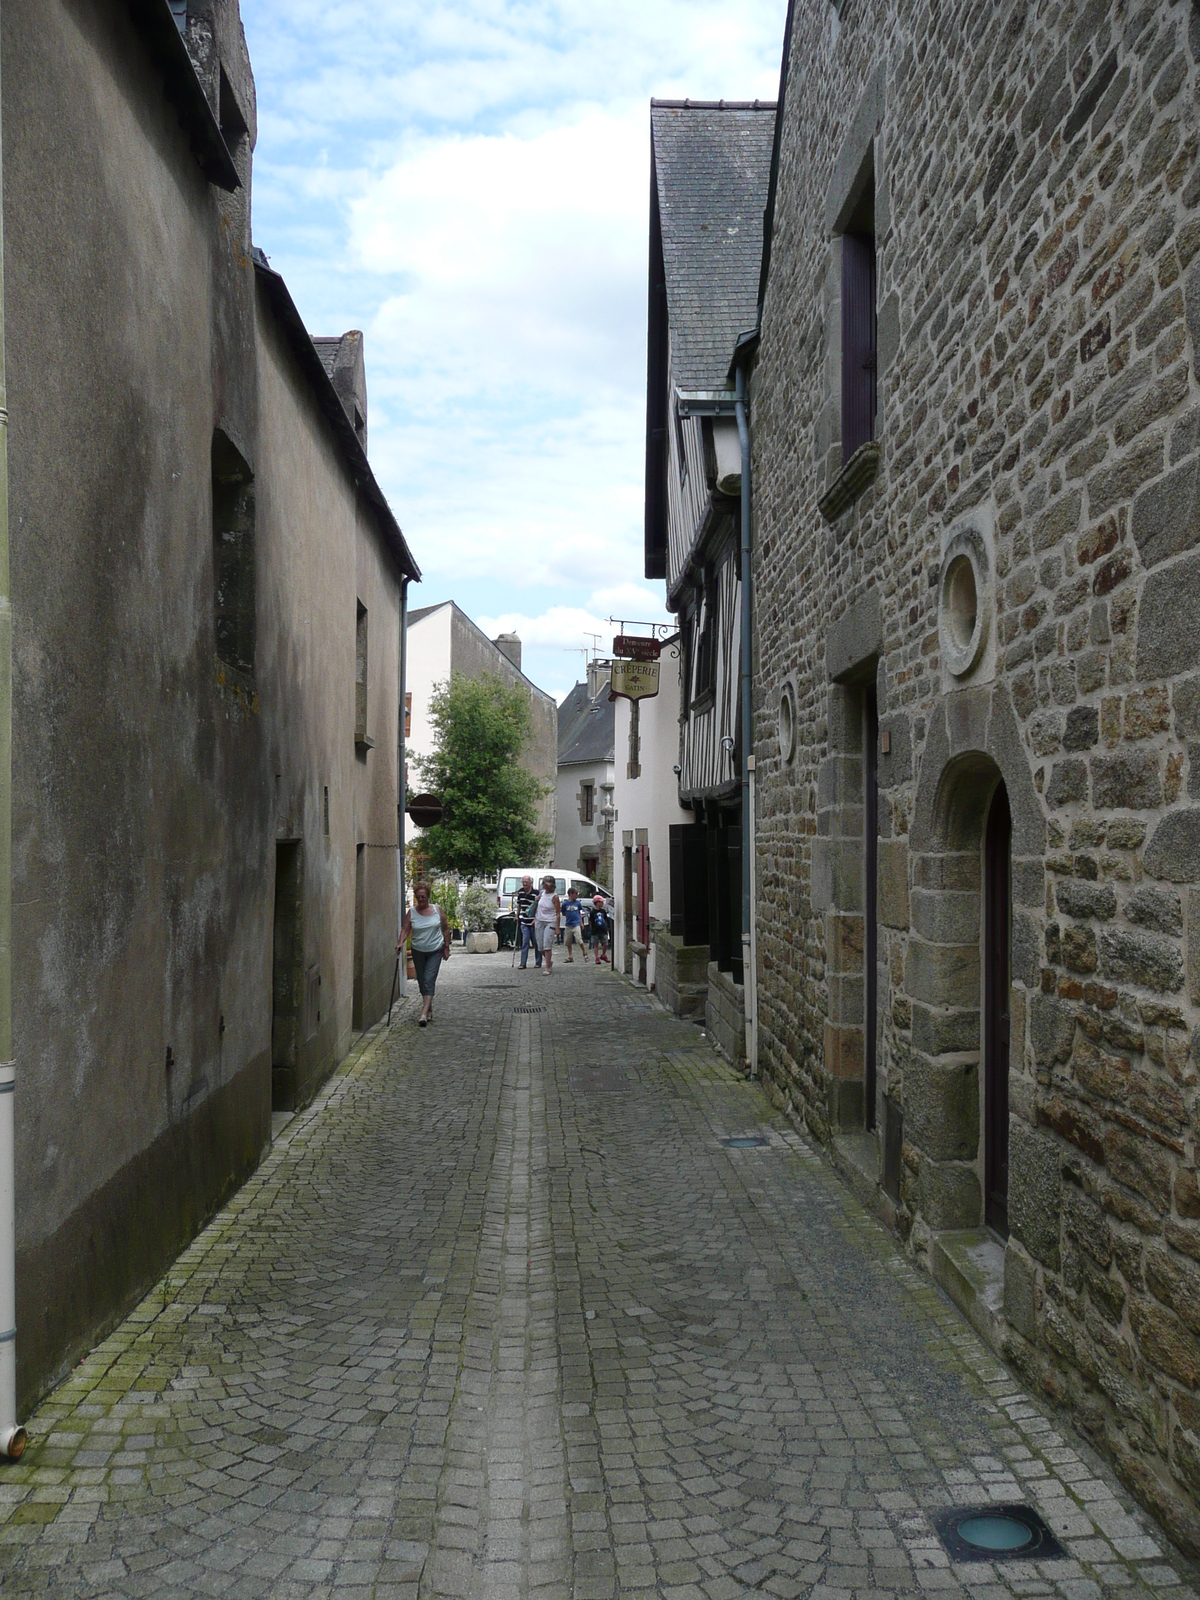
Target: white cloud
467	181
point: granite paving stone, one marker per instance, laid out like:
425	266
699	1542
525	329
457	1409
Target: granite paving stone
475	1329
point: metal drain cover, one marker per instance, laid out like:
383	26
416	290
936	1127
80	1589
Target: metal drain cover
996	1533
527	1010
744	1141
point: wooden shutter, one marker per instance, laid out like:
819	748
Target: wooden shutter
858	341
689	882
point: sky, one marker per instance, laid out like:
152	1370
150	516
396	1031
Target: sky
467	181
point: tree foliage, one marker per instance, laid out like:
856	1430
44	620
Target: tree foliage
481	725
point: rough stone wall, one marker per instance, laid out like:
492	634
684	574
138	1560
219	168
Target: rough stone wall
725	1013
680	972
1036	214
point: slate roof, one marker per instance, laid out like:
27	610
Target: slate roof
425	611
712	163
327	348
587	728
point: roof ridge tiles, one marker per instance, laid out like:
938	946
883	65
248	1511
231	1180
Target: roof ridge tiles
713	105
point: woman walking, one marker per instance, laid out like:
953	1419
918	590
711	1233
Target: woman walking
546	921
430	933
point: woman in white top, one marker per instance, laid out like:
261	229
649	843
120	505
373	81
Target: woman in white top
430	933
546	920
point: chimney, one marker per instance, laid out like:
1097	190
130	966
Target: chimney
599	677
509	644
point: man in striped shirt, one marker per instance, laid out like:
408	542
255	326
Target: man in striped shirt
525	901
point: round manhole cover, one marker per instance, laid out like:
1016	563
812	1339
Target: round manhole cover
744	1141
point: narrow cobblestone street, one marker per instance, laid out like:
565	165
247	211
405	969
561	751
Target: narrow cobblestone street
501	1316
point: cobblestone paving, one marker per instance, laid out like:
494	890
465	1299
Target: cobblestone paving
492	1322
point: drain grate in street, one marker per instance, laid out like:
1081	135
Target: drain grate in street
604	1079
527	1010
996	1533
744	1141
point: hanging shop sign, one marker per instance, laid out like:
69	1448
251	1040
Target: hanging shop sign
635	680
630	648
425	810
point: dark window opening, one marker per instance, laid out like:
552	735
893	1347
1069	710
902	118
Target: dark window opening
681	448
586	803
326	810
360	674
685	661
859	324
706	639
358	994
233	554
286	973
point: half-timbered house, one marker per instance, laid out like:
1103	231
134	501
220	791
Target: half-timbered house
710	163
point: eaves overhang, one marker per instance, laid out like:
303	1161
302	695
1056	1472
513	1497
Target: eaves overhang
705	402
329	401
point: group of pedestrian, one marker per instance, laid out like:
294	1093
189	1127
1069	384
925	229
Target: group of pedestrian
542	914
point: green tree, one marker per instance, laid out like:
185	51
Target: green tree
491	802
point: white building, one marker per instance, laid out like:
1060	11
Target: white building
585	778
444	642
662	865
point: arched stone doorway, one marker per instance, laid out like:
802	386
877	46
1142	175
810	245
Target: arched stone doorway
977	845
997	1006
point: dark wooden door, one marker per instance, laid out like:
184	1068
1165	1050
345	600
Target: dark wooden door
733	847
997	1027
870	898
643	894
689	882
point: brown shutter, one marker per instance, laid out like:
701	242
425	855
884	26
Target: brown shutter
858	341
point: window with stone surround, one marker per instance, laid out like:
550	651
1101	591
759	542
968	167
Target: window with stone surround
859	323
234	560
360	675
587	791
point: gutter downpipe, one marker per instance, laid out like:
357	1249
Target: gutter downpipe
401	796
12	1436
749	933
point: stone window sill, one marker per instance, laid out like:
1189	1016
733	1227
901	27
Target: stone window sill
362	743
857	474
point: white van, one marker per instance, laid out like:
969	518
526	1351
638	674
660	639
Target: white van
509	882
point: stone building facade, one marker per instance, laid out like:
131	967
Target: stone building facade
586	775
206	595
976	454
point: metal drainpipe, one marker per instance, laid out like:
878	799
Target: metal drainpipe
401	795
749	951
12	1435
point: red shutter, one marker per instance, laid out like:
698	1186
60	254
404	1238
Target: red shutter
858	341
